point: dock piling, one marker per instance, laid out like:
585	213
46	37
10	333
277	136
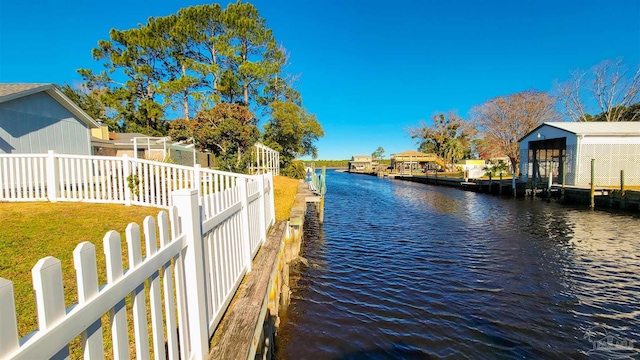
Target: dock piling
593	184
550	181
564	171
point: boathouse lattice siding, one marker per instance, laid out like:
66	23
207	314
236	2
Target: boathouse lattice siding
615	147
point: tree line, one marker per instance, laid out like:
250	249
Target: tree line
214	71
610	91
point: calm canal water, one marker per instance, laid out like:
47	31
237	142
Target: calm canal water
411	271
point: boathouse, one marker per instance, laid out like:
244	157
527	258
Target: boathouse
412	160
554	148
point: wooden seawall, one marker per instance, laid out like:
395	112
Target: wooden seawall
248	327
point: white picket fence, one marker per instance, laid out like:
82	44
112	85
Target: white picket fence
216	230
104	179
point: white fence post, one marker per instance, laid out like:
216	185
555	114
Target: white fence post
244	215
84	260
126	172
8	324
186	201
47	283
261	206
197	175
52	177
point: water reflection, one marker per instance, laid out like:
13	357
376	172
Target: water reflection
408	270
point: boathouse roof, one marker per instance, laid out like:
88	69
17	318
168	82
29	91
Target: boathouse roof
411	153
621	128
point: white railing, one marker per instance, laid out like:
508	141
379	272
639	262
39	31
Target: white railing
105	179
189	281
266	160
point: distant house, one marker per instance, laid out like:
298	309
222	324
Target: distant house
141	146
360	163
36	118
556	147
473	168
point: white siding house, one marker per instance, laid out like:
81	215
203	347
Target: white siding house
36	118
360	163
554	146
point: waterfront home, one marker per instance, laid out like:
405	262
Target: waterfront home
361	163
411	160
36	118
566	148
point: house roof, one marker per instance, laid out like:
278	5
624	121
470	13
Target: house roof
411	153
7	90
15	91
128	137
596	128
599	128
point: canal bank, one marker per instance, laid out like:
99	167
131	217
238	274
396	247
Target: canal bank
249	326
603	197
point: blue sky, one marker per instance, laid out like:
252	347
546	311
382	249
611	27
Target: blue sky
369	69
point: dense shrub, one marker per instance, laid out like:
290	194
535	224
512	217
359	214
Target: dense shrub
295	170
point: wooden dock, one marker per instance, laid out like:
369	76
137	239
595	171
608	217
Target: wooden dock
247	329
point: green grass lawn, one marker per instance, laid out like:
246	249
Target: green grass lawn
31	231
285	190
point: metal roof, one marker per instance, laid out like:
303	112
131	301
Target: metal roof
15	91
412	153
599	128
594	128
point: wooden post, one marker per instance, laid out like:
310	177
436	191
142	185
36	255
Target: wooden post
500	190
534	188
550	180
621	182
490	182
323	190
564	179
550	176
593	184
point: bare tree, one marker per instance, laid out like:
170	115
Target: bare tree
609	87
502	121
